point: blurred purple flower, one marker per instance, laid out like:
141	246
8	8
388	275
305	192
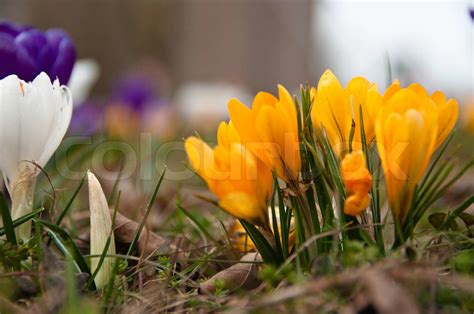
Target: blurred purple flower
27	52
87	119
471	13
134	90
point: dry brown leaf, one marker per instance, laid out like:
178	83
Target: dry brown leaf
239	276
148	244
382	294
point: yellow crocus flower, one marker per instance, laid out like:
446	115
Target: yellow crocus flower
270	130
468	118
242	182
448	110
334	109
357	180
406	131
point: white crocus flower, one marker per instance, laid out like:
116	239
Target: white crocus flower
34	116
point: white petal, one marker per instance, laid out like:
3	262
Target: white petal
62	119
36	117
10	102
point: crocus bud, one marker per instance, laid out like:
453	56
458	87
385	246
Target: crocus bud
357	180
101	230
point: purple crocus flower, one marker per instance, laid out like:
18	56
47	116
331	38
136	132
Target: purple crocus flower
87	119
134	90
471	13
27	52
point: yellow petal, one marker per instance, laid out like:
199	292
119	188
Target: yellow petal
391	90
243	206
373	105
263	99
357	181
243	120
286	101
419	89
332	111
222	134
201	158
357	88
447	116
330	88
277	134
356	204
439	98
227	134
269	149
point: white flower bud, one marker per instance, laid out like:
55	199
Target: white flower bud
101	226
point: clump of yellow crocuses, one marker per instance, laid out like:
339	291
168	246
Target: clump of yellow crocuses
407	124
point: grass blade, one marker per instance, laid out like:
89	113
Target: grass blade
197	223
285	221
276	231
71	200
438	157
269	256
444	188
116	183
8	227
66	245
460	209
22	219
151	201
374	205
110	284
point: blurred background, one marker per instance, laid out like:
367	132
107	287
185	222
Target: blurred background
253	45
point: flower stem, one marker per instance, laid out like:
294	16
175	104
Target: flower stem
22	191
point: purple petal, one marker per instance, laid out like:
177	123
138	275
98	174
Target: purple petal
63	49
12	28
25	67
7	54
37	46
